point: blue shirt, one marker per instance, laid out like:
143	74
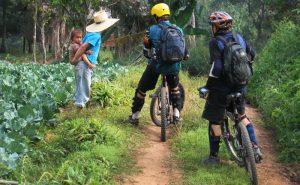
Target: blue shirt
154	36
94	39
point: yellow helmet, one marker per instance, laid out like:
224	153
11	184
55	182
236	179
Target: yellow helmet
160	9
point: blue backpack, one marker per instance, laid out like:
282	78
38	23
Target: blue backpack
172	44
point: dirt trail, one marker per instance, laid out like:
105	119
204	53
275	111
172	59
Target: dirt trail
154	161
270	172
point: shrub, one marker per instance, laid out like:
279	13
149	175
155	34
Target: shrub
198	63
275	88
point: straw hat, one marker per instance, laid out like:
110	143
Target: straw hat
101	22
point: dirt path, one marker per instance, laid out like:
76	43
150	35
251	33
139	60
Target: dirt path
270	172
154	161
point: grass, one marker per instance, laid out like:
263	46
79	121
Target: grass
190	146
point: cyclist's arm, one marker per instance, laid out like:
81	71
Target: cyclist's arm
215	59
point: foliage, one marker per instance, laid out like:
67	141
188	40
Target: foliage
198	63
107	94
31	94
181	10
275	87
78	151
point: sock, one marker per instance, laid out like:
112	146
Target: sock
251	133
136	115
176	113
214	144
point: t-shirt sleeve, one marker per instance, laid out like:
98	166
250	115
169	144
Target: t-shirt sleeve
92	38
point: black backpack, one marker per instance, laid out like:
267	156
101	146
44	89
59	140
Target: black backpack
237	68
172	45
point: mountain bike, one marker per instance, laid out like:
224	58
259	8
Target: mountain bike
161	109
235	135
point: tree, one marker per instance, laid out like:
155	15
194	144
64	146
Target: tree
3	43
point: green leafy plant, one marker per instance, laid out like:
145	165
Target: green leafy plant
275	87
30	94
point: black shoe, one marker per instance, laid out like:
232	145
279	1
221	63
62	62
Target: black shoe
257	154
211	160
132	121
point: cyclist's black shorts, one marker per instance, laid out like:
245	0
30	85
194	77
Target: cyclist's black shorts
216	104
150	77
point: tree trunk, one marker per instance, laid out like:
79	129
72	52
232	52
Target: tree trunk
62	37
55	40
3	44
34	31
24	44
43	43
261	17
29	46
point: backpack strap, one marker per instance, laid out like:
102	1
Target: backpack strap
222	38
235	37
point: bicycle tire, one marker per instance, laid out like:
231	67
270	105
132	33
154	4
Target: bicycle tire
155	107
163	116
232	140
249	155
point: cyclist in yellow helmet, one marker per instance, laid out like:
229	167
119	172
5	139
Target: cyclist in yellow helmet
155	67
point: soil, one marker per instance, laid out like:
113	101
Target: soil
153	160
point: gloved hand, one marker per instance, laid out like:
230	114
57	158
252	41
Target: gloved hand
186	57
147	53
203	92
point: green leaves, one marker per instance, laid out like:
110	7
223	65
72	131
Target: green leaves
30	94
275	87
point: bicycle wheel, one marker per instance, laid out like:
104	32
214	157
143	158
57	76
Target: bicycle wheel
232	140
155	105
164	112
248	154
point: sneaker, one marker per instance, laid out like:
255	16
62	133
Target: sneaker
211	160
257	154
132	121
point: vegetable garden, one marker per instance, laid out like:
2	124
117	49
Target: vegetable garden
31	95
